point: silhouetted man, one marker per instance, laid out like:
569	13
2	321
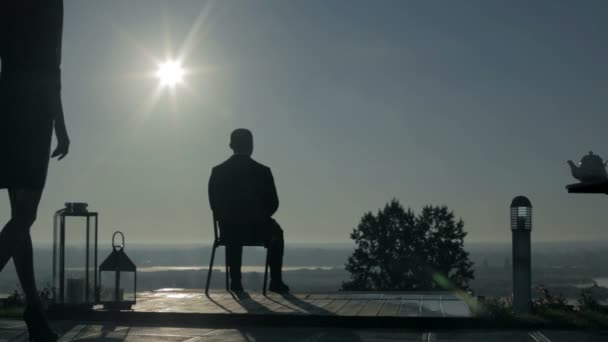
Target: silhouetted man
243	198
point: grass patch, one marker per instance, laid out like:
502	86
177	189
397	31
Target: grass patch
548	310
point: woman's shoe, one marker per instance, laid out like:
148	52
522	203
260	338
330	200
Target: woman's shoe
38	326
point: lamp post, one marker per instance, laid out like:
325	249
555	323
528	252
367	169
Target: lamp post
78	290
117	268
521	226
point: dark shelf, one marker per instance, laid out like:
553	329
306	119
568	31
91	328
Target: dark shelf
588	188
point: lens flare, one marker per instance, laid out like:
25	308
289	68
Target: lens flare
170	73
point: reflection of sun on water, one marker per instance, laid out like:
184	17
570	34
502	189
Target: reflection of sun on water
170	73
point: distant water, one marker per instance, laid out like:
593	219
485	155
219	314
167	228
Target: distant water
219	267
243	268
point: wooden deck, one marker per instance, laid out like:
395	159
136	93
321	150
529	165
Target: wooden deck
436	304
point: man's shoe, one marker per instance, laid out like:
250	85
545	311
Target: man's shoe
236	287
278	287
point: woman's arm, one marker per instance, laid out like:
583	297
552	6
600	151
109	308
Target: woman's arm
61	132
59	30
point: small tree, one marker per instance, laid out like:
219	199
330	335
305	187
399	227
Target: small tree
398	250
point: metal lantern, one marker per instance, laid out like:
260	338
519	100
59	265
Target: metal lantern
116	271
74	285
521	227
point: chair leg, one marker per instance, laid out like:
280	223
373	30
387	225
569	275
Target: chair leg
227	270
210	269
265	273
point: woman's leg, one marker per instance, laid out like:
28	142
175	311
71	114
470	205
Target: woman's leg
15	239
24	264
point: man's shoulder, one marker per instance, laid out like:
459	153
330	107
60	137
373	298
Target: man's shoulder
257	167
260	165
220	165
219	168
237	163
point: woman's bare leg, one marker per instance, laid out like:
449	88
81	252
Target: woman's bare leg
15	239
24	264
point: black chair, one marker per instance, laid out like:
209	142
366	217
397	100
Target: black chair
219	241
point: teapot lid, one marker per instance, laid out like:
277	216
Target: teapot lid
591	159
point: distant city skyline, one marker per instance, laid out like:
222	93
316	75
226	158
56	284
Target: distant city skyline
351	103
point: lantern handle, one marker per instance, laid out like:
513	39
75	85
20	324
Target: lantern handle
122	245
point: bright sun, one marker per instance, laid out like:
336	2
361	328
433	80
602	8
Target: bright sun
170	73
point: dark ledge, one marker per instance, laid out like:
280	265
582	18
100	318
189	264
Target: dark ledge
588	188
218	321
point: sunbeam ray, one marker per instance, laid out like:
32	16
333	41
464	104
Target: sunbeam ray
192	38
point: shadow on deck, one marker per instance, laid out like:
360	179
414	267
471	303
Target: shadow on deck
181	307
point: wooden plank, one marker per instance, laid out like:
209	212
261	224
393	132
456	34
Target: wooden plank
409	308
335	305
314	306
339	296
214	305
433	304
450	296
390	308
209	308
318	296
256	295
319	303
301	296
371	308
317	306
352	308
258	306
411	296
282	305
455	308
430	308
302	305
231	305
392	296
364	296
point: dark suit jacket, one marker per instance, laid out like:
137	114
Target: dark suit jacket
243	198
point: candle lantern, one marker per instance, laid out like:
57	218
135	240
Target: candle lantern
116	274
521	227
75	265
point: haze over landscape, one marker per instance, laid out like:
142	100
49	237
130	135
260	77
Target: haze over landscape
352	103
439	168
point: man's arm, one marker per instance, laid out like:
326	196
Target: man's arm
271	196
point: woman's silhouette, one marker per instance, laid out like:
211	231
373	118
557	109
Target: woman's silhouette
30	107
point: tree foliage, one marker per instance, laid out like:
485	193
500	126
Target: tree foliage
399	250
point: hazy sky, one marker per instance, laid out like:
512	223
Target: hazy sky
464	103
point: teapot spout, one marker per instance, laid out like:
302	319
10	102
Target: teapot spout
574	169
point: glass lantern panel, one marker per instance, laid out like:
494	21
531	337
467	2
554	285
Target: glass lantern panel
79	267
126	286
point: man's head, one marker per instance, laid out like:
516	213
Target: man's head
241	141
